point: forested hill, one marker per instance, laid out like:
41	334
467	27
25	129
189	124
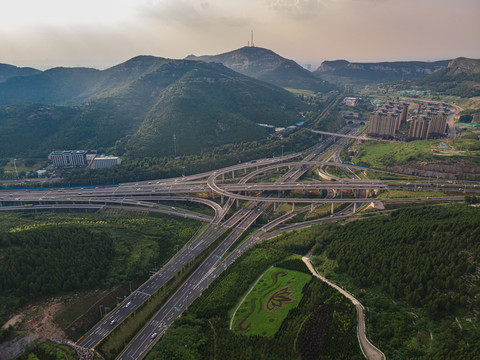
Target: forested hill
266	65
139	105
72	86
427	261
378	72
460	78
9	71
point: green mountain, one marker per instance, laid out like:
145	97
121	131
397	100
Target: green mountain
72	86
460	78
9	71
264	64
344	71
138	106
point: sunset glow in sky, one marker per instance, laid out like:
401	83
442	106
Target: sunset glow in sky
102	33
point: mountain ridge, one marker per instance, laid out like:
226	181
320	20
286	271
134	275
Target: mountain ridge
379	71
461	78
264	64
9	71
137	106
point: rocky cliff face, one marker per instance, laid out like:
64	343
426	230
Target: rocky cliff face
463	66
383	71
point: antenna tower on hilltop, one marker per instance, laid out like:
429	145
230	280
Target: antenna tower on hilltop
251	42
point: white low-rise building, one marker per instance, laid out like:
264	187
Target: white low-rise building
104	162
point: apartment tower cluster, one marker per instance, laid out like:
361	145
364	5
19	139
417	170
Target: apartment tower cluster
386	120
430	121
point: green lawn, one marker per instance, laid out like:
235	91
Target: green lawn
383	154
465	149
391	194
269	302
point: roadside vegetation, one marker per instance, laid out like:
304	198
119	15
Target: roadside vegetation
147	168
54	254
463	150
49	351
203	330
416	271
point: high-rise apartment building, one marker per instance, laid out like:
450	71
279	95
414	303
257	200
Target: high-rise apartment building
386	120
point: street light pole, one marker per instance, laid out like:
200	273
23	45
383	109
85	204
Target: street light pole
15	164
175	145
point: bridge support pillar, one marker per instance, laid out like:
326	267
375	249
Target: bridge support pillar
244	171
221	199
354	207
237	204
213	195
233	174
311	207
293	206
275	207
333	207
223	176
334	192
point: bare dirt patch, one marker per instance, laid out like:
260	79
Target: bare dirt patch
13	320
38	319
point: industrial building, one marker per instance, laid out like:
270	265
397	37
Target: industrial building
106	162
68	159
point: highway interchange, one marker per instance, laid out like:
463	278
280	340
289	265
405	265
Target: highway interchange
236	189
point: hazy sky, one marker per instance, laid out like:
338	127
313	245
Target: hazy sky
102	33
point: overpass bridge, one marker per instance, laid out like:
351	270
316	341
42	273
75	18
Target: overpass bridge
364	138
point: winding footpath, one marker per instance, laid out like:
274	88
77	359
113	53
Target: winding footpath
370	351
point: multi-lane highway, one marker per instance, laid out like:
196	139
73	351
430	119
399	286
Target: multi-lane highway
232	184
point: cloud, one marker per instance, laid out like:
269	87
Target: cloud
297	9
190	14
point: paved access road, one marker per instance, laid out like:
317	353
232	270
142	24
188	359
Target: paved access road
370	351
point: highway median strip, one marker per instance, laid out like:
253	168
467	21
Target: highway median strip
112	345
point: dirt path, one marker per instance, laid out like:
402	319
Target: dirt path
369	350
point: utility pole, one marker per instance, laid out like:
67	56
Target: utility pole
15	164
175	145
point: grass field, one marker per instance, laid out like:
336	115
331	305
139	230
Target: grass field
382	154
267	305
392	194
465	149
